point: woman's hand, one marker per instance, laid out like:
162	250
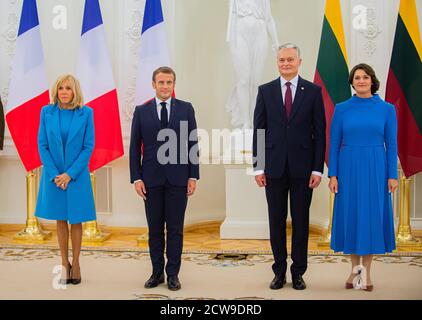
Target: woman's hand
392	185
333	185
62	180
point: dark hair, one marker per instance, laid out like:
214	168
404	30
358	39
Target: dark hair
370	72
163	69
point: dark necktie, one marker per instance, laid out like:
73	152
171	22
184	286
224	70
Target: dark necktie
164	116
288	100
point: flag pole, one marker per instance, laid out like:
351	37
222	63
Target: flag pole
91	233
33	231
404	238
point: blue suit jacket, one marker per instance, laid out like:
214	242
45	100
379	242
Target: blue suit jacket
145	131
300	141
76	203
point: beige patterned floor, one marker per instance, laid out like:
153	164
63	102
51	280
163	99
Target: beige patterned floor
31	274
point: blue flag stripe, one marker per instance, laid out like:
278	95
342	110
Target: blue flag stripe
153	14
29	16
92	15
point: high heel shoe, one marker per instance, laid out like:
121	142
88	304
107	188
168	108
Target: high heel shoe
68	280
348	285
75	280
368	287
352	285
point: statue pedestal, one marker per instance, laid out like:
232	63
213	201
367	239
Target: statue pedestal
246	206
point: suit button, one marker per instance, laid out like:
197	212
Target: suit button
288	127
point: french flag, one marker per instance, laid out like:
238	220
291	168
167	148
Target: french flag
97	83
153	52
28	90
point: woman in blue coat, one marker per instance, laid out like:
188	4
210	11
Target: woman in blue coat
65	143
362	168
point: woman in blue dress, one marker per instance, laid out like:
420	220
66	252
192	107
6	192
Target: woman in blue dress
363	174
65	143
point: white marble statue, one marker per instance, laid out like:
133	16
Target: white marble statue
249	23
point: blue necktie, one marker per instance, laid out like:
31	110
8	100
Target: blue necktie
164	116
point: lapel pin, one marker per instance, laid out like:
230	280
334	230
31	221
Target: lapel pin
302	88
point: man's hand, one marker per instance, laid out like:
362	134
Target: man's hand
261	180
314	181
191	187
140	189
62	181
333	185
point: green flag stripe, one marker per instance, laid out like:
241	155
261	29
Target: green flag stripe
332	66
407	67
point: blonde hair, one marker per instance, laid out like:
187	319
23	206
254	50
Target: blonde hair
78	99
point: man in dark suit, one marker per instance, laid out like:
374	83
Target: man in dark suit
289	157
165	172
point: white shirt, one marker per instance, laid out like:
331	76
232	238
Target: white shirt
168	106
293	87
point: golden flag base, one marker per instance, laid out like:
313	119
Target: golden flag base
92	234
404	238
33	231
142	240
324	241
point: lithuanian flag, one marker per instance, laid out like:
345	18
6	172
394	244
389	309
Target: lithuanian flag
404	87
331	72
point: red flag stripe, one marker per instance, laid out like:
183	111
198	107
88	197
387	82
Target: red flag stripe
108	138
23	123
409	137
329	111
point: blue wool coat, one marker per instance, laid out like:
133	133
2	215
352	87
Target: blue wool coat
76	203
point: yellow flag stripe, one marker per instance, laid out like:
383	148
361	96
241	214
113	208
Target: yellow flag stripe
333	15
410	19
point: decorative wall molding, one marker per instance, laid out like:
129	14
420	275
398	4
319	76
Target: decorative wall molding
9	35
132	36
369	45
373	45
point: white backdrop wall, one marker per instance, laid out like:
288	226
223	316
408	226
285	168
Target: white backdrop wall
196	32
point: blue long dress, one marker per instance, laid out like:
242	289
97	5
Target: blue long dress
363	156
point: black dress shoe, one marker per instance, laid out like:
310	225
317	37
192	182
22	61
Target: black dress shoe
278	282
298	283
154	281
73	280
173	283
